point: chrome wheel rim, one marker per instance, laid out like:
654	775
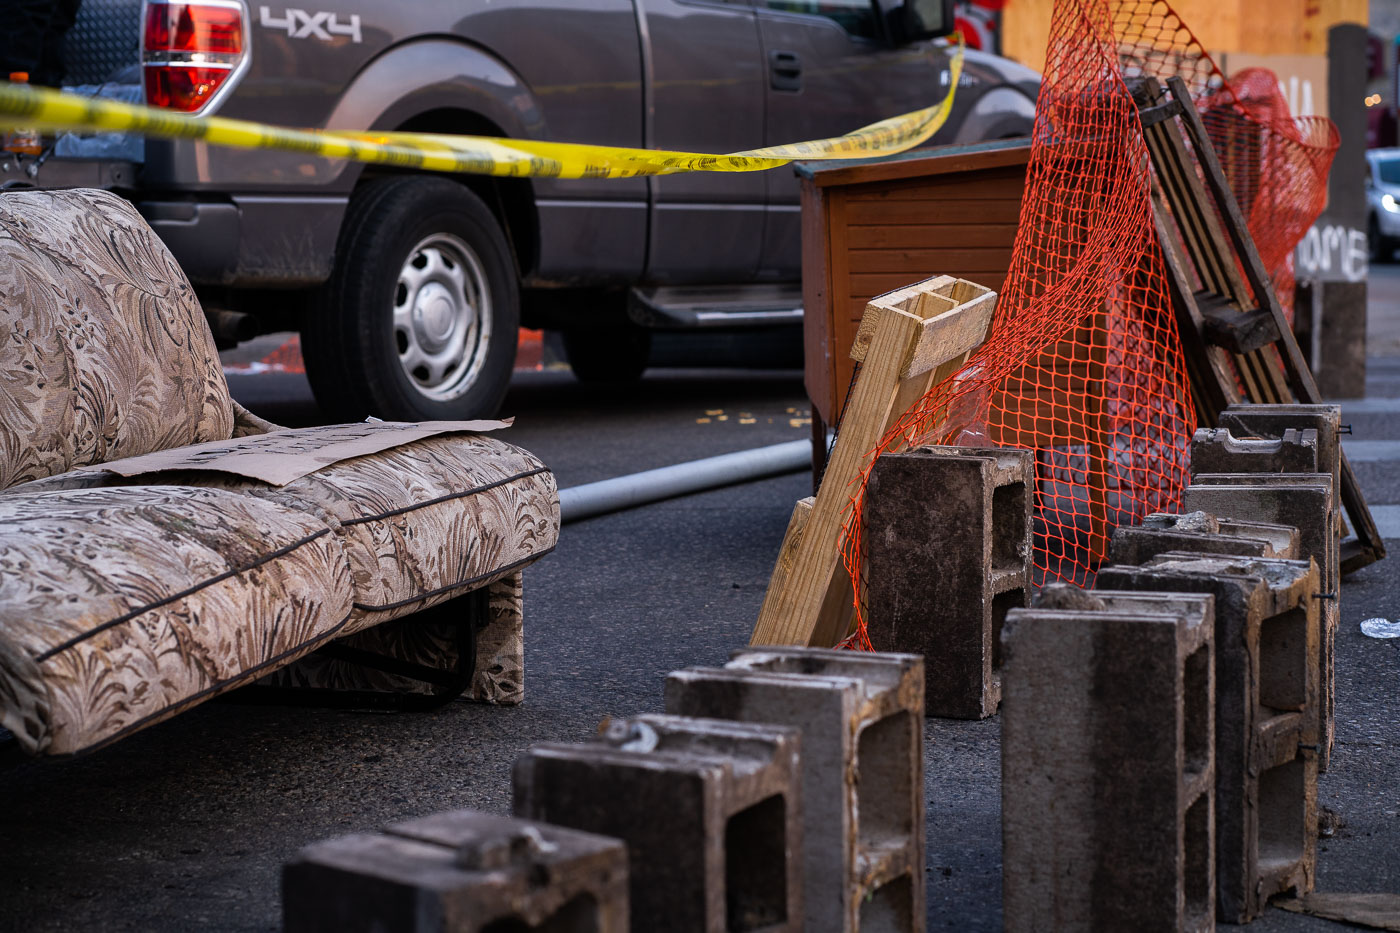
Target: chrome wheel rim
442	317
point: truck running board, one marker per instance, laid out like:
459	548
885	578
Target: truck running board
686	307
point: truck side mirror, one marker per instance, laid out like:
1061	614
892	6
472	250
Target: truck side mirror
922	19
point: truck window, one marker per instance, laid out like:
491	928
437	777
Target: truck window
857	17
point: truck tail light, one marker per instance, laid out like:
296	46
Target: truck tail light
189	51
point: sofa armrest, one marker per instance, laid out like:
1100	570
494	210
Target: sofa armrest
247	424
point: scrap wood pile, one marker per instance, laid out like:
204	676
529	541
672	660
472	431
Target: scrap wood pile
1105	352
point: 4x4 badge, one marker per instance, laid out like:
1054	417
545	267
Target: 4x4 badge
300	24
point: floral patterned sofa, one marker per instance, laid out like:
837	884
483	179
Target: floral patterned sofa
126	600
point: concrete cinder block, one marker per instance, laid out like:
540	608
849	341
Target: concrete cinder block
1202	533
1107	763
1258	420
1218	450
710	811
1266	719
1302	500
458	872
861	717
1308	502
947	554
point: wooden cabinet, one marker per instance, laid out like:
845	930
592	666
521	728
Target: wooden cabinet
872	227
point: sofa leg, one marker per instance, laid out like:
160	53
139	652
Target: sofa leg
499	677
417	662
471	646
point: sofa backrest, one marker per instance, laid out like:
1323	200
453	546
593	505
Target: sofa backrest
104	350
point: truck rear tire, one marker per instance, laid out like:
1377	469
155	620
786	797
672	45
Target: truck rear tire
420	318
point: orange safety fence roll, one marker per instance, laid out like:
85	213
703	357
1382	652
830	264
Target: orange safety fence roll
1084	363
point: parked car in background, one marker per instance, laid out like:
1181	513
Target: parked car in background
1382	202
409	289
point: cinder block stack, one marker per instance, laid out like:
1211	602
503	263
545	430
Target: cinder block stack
673	822
1201	533
1274	421
947	554
458	872
710	811
861	717
1248	479
1267	716
1107	763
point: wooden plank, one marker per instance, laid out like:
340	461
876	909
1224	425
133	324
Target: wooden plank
917	261
792	539
953	159
915	389
1182	190
1238	332
932	236
855	304
997	184
819	314
793	607
1206	239
837	371
952	334
950	327
877	283
928	306
951	211
1214	393
837	619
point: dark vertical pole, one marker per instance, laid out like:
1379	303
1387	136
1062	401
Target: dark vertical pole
1332	261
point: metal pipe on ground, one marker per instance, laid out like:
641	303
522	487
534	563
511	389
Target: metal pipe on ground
625	492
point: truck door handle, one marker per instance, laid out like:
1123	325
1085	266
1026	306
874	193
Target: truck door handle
784	71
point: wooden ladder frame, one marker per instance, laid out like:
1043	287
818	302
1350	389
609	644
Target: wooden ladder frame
909	340
1205	240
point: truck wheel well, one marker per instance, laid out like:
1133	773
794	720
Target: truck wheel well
510	199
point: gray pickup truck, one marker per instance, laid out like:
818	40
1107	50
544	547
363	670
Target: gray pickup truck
409	289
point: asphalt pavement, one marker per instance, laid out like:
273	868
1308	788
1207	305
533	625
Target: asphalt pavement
185	825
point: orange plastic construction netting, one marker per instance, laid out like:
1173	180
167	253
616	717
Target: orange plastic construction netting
1083	364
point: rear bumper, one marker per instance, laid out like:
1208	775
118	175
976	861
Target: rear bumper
67	173
250	241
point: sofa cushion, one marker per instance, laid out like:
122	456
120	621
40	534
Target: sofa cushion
432	519
119	607
104	351
421	523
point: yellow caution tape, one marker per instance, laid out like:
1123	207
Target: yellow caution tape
24	106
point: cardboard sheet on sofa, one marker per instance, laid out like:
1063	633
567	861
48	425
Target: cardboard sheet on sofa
282	456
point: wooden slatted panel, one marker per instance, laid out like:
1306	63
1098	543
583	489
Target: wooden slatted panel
886	210
939	236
